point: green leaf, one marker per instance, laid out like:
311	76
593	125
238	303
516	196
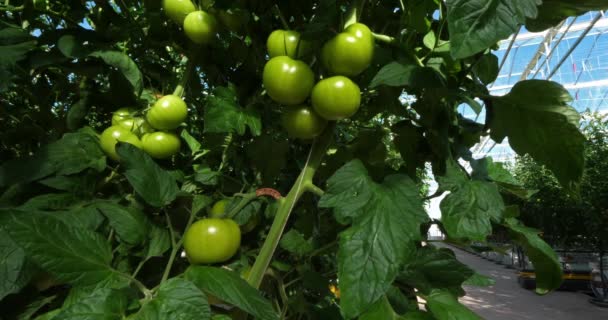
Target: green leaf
82	184
433	268
125	66
479	280
258	152
72	47
471	207
176	299
192	143
295	243
15	43
200	202
100	304
223	114
73	255
538	121
207	176
552	12
49	201
476	25
130	224
444	306
498	173
417	315
546	264
380	310
155	185
73	153
382	235
78	111
15	272
159	242
231	288
35	306
397	74
486	68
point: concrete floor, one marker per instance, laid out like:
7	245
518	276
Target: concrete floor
507	300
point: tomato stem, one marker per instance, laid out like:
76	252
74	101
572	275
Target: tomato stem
175	245
355	13
286	205
181	86
281	17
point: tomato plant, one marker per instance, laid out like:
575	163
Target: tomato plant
321	122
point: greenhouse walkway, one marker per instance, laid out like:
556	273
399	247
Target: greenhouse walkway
507	300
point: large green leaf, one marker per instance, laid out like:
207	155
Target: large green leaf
125	65
538	121
73	255
223	114
295	243
230	287
471	207
176	299
73	153
546	265
476	25
15	272
130	224
398	74
444	306
15	43
155	185
552	12
382	235
100	304
433	268
486	68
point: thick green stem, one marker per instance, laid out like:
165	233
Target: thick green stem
181	86
355	13
318	150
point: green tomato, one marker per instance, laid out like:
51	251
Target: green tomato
137	125
161	145
167	113
218	209
285	43
177	10
350	52
302	122
336	98
121	114
200	27
212	241
288	81
112	135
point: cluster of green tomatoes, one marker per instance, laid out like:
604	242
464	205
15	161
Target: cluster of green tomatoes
165	115
290	81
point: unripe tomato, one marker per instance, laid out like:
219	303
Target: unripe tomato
161	145
302	122
177	10
212	241
167	113
137	125
336	98
200	27
288	81
350	52
218	209
285	43
112	135
121	114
